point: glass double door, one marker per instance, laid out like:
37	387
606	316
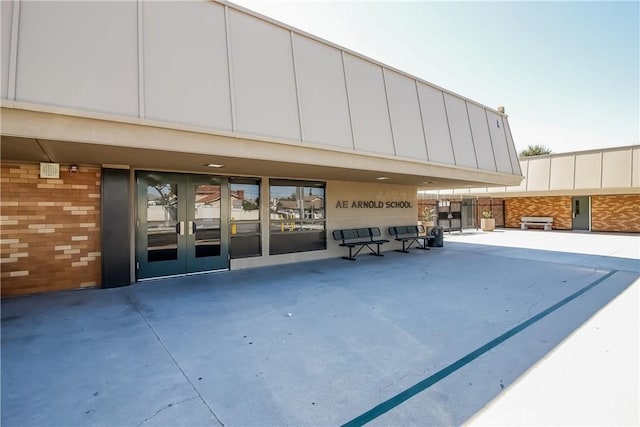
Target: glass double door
181	224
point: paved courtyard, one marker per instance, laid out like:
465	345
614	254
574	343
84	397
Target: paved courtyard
426	338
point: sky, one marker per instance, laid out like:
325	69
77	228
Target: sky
567	73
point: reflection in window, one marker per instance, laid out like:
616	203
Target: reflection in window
206	224
297	216
245	217
162	219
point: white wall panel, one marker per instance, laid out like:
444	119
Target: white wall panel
481	138
515	164
323	93
616	169
79	54
588	170
499	140
264	88
462	191
562	170
496	189
368	102
635	170
186	76
524	167
406	122
436	128
463	150
6	17
538	174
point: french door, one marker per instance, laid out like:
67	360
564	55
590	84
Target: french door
181	224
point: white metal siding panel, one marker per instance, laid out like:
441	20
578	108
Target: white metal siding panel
562	171
186	77
588	170
524	167
461	191
460	131
406	122
500	146
515	164
538	174
635	179
264	88
481	138
7	16
368	102
323	93
436	128
496	189
80	55
616	169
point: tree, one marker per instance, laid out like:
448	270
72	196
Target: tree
535	150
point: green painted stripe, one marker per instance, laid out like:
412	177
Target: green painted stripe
445	372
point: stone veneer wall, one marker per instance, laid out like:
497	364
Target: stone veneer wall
50	235
616	213
558	207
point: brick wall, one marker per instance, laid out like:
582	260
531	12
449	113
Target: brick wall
557	207
50	235
616	213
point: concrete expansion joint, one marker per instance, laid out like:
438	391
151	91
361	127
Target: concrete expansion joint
175	362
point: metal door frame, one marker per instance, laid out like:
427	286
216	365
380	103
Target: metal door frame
573	215
186	262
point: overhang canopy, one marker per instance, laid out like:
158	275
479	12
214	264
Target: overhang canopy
50	137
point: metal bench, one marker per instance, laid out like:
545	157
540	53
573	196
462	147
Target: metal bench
545	221
360	238
408	235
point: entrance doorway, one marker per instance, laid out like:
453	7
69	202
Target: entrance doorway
580	207
181	224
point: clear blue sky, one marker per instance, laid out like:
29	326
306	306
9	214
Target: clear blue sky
566	72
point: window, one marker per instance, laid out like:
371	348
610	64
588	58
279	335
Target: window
245	217
297	216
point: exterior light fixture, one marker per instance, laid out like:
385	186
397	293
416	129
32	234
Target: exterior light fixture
213	165
73	169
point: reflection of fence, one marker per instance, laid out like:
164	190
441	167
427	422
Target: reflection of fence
243	215
285	225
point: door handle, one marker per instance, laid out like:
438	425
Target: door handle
180	228
192	228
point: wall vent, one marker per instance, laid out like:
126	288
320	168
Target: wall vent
50	170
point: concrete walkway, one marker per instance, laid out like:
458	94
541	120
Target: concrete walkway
317	343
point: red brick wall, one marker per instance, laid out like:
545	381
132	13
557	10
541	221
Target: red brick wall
616	213
50	235
559	208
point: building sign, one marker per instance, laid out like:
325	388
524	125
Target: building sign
372	204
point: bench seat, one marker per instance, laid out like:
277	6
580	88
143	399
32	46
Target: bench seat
545	221
408	235
360	238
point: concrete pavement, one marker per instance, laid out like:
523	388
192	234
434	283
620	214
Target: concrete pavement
222	349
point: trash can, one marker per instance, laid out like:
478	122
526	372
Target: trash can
438	237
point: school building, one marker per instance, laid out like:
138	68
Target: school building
591	190
149	139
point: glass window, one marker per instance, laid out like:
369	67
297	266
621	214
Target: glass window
162	220
297	216
245	217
